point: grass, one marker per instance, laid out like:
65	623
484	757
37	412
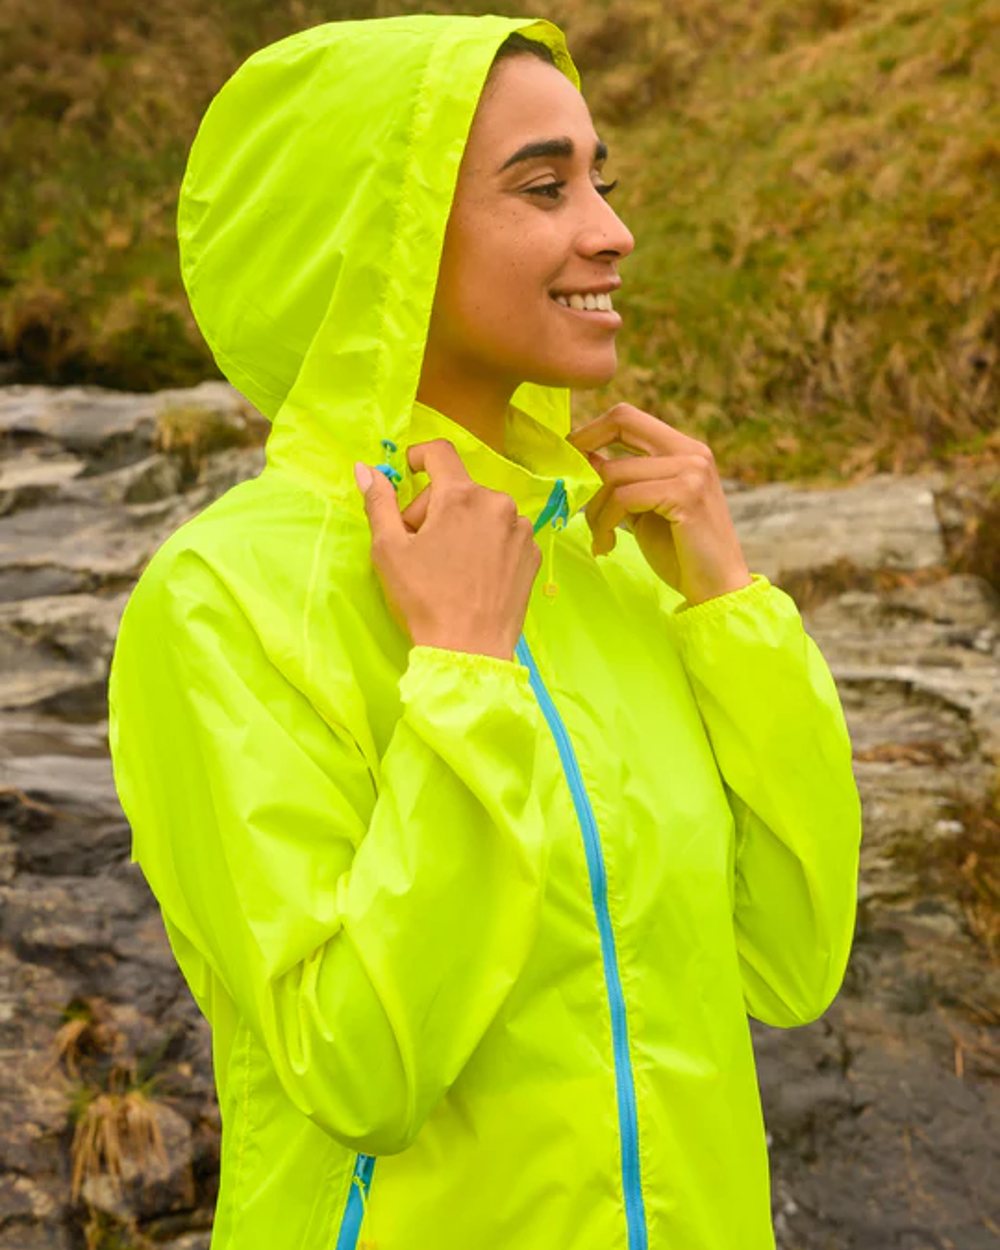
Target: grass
192	432
816	209
112	1126
112	1113
812	188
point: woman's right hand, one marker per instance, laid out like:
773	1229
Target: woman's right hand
457	566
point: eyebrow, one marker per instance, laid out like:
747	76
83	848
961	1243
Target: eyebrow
551	147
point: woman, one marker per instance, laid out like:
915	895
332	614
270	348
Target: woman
475	869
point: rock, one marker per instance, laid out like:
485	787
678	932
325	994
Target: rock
34	478
885	522
55	651
109	428
881	1116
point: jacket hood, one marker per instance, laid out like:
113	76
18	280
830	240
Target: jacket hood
311	221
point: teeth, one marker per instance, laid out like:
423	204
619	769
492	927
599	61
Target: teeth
596	303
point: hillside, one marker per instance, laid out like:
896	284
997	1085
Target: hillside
813	191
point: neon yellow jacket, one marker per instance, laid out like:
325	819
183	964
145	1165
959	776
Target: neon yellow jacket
477	938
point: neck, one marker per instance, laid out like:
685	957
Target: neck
481	406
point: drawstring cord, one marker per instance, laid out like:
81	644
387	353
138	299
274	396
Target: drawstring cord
556	511
390	471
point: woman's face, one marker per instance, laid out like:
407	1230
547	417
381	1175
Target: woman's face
510	243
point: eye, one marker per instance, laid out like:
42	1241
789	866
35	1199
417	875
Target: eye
602	188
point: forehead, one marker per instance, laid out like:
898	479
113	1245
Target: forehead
528	99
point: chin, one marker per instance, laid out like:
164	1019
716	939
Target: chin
587	376
586	372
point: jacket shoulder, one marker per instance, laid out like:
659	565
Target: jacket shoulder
257	539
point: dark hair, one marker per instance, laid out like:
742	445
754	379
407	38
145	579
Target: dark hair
517	44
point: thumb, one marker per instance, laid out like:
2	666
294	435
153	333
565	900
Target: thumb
380	501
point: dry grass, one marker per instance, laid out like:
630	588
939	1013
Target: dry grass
965	865
192	433
87	1033
813	191
817	213
114	1125
113	1113
103	1231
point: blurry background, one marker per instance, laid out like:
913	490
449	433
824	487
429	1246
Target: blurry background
813	188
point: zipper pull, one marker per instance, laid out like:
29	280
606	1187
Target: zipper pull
390	471
549	586
560	511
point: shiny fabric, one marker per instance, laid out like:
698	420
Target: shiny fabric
477	938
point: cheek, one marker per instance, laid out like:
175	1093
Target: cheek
495	273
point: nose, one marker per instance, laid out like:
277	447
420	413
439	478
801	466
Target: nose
606	232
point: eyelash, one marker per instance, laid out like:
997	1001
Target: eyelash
604	188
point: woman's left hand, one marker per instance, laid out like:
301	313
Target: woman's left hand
671	498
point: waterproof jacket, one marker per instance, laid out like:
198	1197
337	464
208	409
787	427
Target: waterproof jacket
477	938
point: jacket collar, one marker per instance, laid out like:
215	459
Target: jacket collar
541	470
536	459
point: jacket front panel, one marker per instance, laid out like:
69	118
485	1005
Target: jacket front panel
667	844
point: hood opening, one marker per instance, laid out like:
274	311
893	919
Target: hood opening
311	222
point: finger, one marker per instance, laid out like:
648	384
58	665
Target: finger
624	469
382	508
650	494
416	510
637	430
623	423
439	459
616	473
607	518
610	478
593	508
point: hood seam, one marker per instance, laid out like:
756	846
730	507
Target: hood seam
419	111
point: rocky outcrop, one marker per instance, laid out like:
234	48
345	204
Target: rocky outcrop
882	1116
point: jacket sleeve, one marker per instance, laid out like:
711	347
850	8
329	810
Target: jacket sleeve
778	732
368	940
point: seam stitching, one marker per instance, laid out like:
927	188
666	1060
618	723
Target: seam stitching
313	575
244	1128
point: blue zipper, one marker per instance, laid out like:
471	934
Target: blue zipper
635	1215
350	1226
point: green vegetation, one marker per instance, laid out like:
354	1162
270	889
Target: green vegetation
812	188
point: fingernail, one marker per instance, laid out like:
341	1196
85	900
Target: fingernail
362	475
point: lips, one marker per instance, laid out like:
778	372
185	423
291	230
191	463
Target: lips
602	288
606	319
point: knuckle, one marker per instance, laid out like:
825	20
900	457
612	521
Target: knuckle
457	491
507	505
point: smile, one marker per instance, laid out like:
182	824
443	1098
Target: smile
605	316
